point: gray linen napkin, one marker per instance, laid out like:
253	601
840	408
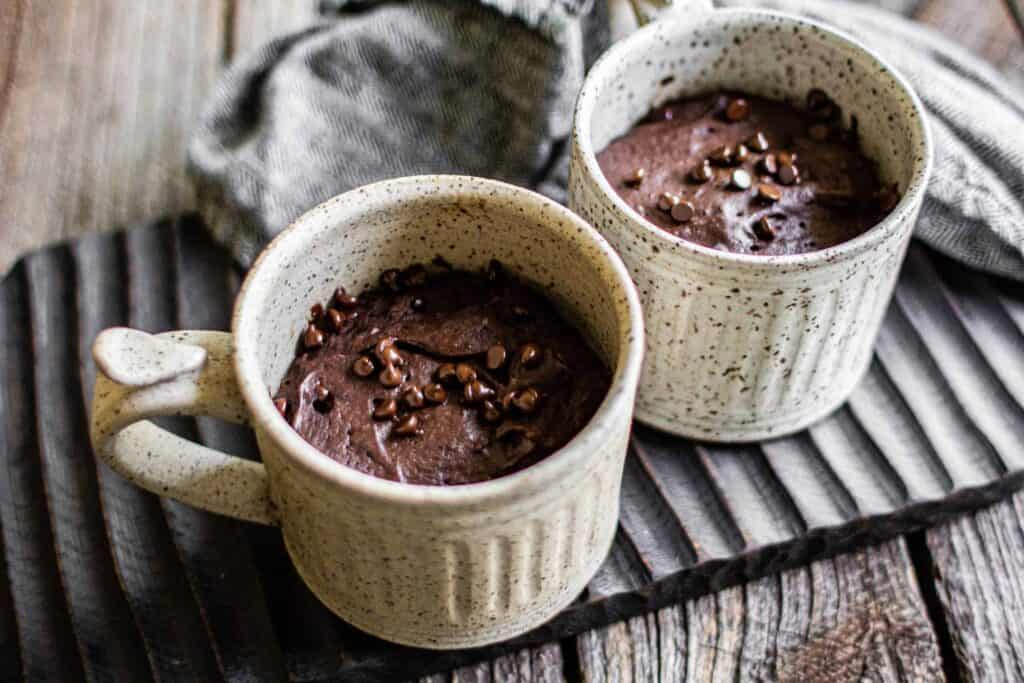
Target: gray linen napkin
485	87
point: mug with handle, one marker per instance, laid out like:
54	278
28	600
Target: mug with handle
429	566
743	347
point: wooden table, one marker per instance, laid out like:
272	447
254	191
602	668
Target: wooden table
96	101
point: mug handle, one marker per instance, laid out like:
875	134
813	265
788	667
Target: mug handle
174	373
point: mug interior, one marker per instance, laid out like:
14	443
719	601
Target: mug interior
763	53
352	238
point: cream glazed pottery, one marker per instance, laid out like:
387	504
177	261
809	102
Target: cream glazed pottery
436	567
745	347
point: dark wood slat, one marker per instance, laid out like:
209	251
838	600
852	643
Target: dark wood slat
147	563
214	549
873	483
10	657
622	571
108	639
818	494
687	489
762	508
47	644
965	453
979	388
651	525
882	412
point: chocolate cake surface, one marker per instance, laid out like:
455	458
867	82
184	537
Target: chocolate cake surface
749	175
440	376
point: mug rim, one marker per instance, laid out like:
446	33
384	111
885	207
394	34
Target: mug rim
872	237
618	399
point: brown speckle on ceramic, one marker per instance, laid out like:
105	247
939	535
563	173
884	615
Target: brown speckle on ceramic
429	566
746	347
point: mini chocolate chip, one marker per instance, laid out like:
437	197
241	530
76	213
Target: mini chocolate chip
817	98
818	132
636	177
465	373
435	393
413	397
387	353
764	230
529	354
442	262
495	271
313	338
414	276
282	406
758	142
721	156
334	319
787	158
417	304
737	110
740	179
385	408
322	398
788	174
389	279
526	400
667	200
702	173
741	154
445	373
363	366
768	164
506	399
520	438
390	376
407	425
490	412
768	193
683	212
496	356
343	299
476	391
888	199
316	312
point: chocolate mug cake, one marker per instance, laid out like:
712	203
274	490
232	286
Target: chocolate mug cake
440	376
749	175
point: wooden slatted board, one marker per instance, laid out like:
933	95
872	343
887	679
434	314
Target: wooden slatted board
108	581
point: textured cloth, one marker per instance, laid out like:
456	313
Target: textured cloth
486	87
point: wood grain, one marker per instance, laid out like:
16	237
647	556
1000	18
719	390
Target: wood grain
856	617
96	101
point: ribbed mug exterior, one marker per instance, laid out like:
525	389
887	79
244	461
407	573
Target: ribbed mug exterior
443	566
744	347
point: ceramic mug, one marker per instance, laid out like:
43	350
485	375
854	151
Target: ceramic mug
429	566
745	347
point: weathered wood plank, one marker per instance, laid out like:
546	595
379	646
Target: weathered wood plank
96	102
979	578
535	665
859	616
977	562
257	21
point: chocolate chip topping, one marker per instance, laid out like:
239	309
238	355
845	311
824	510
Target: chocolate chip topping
313	337
363	366
496	356
485	380
787	155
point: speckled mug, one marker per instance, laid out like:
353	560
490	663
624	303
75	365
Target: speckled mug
745	347
436	567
